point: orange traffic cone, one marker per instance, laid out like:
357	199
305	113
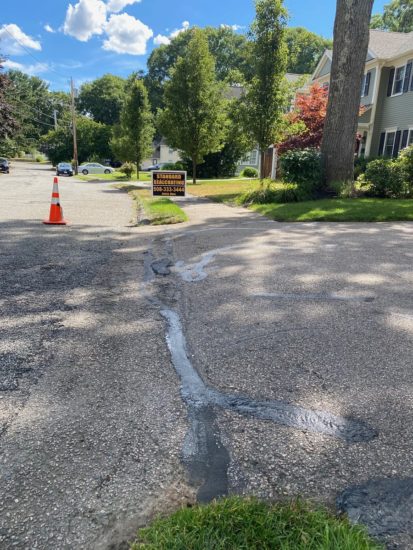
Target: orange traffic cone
56	211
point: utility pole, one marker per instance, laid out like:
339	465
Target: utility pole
55	119
75	157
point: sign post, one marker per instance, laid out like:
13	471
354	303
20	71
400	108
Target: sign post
168	183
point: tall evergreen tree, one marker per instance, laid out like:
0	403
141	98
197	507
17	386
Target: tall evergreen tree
133	137
351	27
194	118
265	99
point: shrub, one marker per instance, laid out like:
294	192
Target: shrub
405	162
303	167
249	172
383	178
127	168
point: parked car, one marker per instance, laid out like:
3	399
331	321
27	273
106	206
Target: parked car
4	166
152	168
64	169
95	168
112	163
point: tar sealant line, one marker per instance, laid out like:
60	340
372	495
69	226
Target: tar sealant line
196	392
192	273
321	297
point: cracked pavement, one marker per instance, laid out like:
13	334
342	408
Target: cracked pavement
96	436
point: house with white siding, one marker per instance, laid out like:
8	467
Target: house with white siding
386	122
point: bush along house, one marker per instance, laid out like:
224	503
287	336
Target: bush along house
386	119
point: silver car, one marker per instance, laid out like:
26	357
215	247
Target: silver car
95	168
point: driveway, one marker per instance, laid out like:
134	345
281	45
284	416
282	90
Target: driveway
143	368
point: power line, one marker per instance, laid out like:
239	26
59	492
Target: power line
33	119
30	53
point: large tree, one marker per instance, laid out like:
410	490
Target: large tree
92	139
351	38
397	17
265	99
133	137
304	49
103	98
228	48
194	119
8	122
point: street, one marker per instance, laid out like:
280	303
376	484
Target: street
145	368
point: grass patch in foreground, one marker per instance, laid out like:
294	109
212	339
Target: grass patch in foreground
248	524
158	210
339	210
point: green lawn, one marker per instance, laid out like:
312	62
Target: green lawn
116	176
222	190
158	211
248	524
339	210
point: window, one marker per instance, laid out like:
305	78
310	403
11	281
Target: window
398	80
410	139
389	144
254	157
365	88
171	151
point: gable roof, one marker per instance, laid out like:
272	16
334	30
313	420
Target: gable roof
386	45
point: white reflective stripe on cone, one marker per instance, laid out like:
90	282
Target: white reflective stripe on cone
55	200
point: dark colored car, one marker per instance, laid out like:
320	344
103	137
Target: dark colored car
4	166
64	169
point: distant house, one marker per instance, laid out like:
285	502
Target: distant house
161	154
386	125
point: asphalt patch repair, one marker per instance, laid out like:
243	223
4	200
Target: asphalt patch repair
384	506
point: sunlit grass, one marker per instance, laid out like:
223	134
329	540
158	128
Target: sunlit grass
248	524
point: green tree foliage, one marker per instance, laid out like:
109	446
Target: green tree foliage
397	17
103	98
133	137
194	119
228	48
304	49
34	105
266	96
8	122
92	138
223	163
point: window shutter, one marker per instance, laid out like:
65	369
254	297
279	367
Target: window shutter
367	84
396	147
381	145
391	80
405	137
407	77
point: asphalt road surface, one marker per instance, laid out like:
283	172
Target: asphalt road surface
145	368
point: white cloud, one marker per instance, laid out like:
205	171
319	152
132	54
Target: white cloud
162	39
84	19
233	27
14	40
116	6
125	34
48	28
35	69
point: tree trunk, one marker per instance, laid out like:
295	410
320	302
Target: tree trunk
262	165
137	169
193	171
351	38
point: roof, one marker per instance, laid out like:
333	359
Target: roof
387	45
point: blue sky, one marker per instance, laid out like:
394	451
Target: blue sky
88	38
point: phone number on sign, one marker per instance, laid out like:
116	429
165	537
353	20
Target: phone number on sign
168	189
